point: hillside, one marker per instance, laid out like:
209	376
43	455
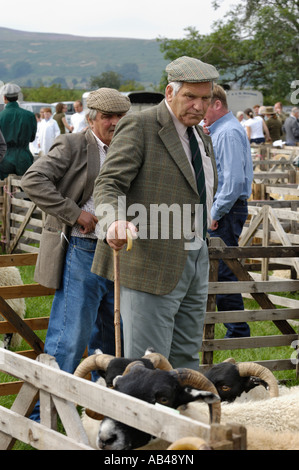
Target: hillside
28	58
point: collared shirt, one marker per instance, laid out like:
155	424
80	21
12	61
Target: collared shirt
234	164
78	120
89	205
206	160
48	131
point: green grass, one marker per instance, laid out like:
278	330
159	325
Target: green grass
41	306
35	307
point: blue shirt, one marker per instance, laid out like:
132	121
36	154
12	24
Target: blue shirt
234	164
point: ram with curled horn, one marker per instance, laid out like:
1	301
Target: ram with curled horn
231	379
109	367
170	388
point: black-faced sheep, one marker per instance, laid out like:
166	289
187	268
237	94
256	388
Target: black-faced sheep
277	413
232	380
165	386
10	276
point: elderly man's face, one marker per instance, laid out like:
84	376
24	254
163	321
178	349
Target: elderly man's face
191	102
104	125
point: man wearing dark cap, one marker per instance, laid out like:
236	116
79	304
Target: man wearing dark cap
18	127
61	184
150	167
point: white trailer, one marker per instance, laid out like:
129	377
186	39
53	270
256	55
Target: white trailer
239	100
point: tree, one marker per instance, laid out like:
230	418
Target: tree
106	79
255	45
131	85
51	94
59	81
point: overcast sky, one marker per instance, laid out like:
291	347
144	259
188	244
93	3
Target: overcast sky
119	18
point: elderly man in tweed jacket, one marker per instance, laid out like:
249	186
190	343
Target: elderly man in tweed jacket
164	278
61	184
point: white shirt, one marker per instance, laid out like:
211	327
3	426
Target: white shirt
33	146
48	131
256	127
206	160
89	205
78	121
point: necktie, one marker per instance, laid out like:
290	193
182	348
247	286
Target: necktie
200	176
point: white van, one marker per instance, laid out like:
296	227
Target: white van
239	100
33	106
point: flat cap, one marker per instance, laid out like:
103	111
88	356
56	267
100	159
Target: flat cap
108	100
11	90
269	110
189	69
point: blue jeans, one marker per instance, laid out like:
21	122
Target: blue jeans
259	140
229	229
82	312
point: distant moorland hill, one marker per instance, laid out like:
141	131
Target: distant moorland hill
29	58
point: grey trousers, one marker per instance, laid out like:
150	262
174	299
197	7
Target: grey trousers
173	323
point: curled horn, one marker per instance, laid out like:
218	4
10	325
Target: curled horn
230	359
131	365
194	379
158	360
94	362
252	368
189	443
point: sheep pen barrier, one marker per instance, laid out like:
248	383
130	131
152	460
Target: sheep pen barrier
59	393
272	307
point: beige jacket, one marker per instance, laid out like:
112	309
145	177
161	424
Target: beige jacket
60	183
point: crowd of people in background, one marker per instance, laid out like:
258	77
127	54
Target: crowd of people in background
270	124
188	150
263	124
50	125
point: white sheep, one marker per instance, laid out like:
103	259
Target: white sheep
271	423
10	276
257	439
256	409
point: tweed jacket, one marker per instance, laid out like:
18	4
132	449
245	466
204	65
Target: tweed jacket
147	165
60	183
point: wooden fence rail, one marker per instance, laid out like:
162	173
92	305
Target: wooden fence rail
22	219
60	392
13	323
269	306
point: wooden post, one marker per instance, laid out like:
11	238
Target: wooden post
209	329
117	303
23	329
265	261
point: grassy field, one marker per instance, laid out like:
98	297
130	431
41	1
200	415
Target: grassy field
41	306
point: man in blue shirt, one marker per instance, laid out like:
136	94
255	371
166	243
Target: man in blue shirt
229	211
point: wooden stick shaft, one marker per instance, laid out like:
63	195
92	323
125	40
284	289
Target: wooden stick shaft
117	304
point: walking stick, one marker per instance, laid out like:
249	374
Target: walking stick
117	294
